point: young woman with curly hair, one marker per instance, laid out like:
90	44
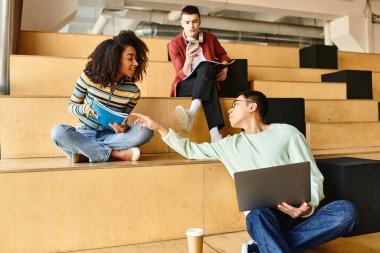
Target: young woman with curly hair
110	75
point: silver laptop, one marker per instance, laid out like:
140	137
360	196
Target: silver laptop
268	187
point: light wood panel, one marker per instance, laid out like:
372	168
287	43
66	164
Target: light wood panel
26	124
301	89
155	108
63	211
286	74
330	136
372	155
341	111
358	61
44	76
221	208
50	76
160	76
376	86
259	55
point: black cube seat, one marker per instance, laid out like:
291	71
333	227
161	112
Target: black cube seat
359	82
236	81
287	110
319	56
356	180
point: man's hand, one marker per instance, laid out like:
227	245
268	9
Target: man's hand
191	53
150	123
295	212
223	74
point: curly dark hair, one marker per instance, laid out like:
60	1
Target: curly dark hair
103	62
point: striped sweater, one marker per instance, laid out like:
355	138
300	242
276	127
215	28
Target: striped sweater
123	99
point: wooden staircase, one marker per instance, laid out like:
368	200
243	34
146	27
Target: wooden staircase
52	205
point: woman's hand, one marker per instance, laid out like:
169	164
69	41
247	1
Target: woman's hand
89	112
119	128
150	123
295	212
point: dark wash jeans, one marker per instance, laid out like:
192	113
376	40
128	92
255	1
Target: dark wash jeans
276	232
203	86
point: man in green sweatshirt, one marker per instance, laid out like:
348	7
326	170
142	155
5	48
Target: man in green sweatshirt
285	228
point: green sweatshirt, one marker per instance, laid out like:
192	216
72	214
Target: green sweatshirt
279	145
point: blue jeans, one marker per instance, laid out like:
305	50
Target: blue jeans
97	144
275	231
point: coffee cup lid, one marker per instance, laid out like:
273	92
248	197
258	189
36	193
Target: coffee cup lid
194	232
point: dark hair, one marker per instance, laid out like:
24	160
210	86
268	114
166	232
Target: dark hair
260	99
104	61
190	9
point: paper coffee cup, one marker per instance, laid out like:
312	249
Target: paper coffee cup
195	240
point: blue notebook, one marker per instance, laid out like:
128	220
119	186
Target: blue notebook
107	116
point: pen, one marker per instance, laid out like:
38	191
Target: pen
88	113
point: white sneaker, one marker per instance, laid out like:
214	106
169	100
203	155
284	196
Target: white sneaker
184	118
135	154
244	248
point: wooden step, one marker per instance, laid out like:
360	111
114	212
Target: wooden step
57	76
59	208
231	243
25	130
81	45
359	61
341	111
286	74
78	45
44	75
373	154
259	55
376	86
75	45
329	138
173	246
64	207
301	89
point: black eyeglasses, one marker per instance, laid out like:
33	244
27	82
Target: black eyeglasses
236	100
